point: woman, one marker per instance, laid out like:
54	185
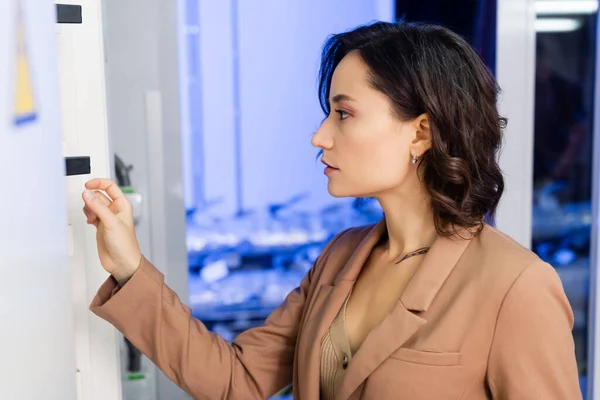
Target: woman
430	303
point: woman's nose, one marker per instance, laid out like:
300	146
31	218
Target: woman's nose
321	139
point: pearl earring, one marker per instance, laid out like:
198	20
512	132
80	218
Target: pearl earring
415	158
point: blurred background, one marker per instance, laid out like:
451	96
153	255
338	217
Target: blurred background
203	112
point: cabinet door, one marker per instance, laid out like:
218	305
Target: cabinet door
84	132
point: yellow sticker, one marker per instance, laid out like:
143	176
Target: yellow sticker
24	106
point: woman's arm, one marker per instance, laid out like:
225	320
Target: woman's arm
532	354
257	365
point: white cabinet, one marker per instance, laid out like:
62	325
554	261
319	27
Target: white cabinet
83	110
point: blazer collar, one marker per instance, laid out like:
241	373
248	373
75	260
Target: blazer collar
437	265
360	255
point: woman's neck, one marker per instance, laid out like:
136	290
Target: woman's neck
410	223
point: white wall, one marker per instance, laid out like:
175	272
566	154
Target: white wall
515	71
36	317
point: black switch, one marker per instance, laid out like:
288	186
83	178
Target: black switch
68	14
78	165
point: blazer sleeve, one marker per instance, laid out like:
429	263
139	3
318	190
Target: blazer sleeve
255	366
532	354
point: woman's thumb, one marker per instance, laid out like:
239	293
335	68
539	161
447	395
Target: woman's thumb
95	203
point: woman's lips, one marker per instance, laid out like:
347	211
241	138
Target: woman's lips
328	168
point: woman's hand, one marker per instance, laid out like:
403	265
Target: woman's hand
112	216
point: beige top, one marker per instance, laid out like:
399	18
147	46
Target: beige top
335	355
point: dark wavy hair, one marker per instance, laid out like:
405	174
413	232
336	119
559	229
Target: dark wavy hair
429	69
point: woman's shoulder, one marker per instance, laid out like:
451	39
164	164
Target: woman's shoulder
521	282
505	260
493	241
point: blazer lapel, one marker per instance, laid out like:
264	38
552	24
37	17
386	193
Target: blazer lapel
383	340
437	266
406	319
328	301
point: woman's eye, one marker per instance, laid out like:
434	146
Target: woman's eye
343	114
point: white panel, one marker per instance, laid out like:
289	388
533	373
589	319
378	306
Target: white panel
131	69
83	101
36	334
515	73
156	170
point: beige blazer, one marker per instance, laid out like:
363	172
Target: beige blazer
481	319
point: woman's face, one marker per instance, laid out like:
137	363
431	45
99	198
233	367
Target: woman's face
368	147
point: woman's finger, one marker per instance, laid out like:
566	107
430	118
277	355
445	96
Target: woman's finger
91	218
120	201
95	203
88	214
105	199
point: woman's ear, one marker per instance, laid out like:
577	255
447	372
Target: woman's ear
422	138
